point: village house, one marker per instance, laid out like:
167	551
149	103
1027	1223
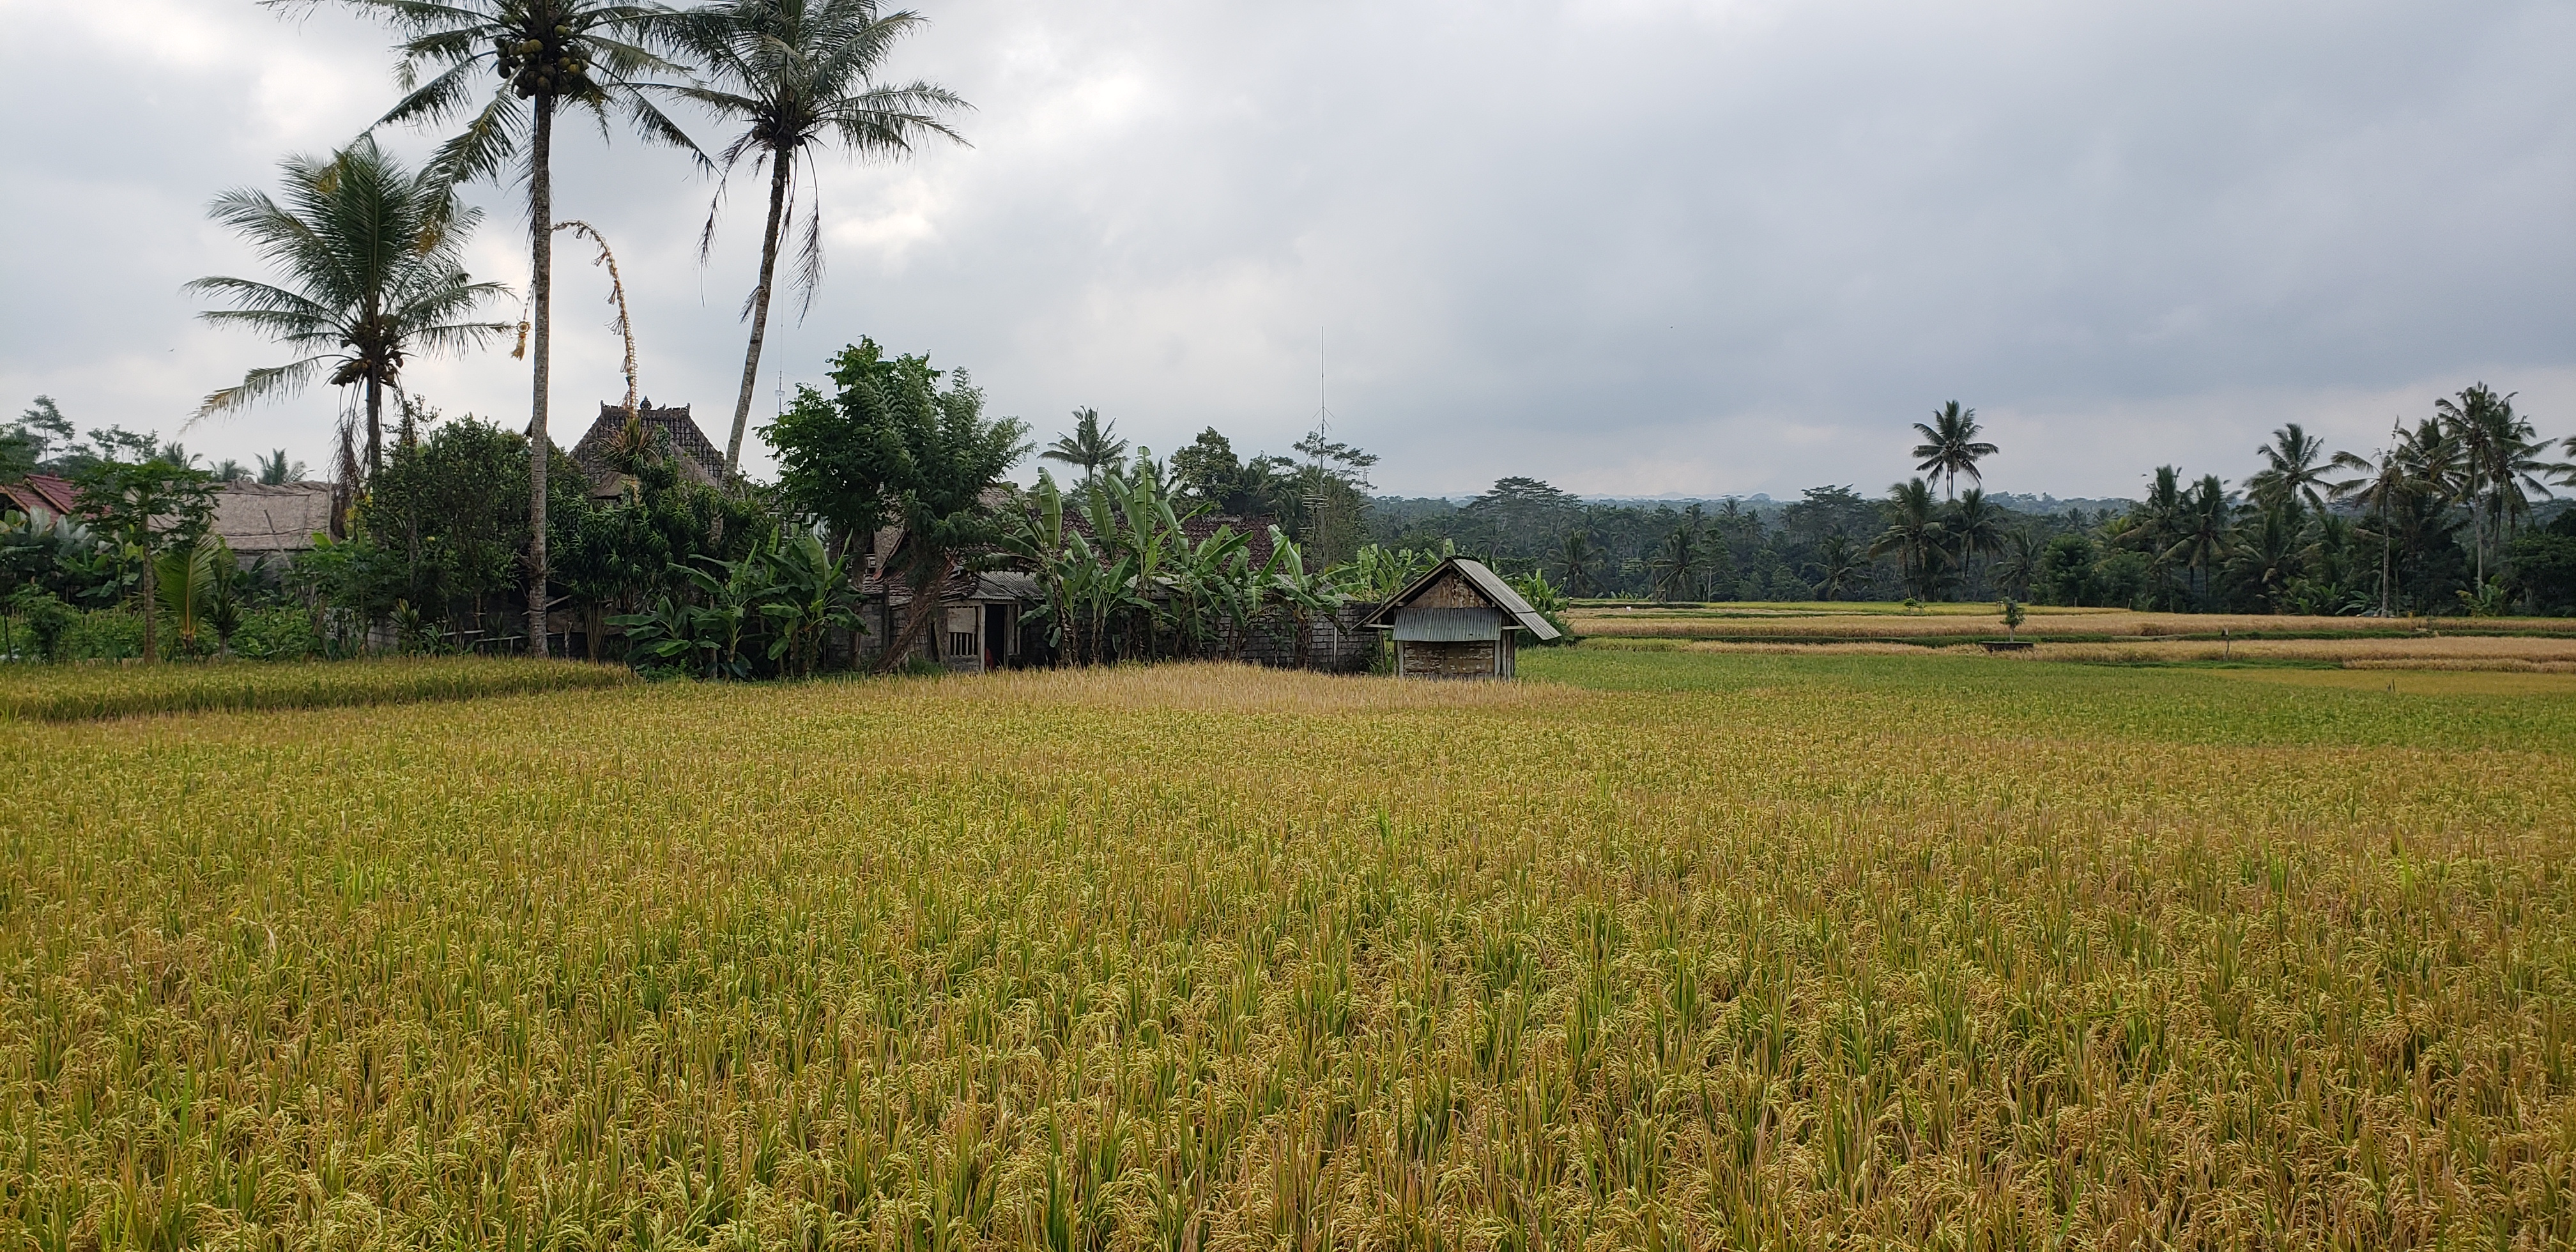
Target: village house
986	624
1459	621
263	522
601	454
42	497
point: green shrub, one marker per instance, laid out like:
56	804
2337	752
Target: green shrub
101	635
280	634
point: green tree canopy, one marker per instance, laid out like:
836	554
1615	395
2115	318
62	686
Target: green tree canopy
892	446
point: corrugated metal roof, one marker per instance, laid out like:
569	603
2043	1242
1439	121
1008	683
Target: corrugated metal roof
1487	584
1448	625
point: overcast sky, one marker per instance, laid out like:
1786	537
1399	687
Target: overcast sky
1629	246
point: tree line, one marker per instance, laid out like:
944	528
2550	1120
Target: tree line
2454	513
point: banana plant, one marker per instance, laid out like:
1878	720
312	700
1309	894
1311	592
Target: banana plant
809	594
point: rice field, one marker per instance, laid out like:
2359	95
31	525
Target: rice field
1667	949
1933	622
59	693
2503	653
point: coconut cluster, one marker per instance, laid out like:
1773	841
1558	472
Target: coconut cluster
540	65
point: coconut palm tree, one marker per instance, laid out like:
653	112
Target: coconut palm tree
2153	526
2265	555
276	471
795	75
2382	483
1838	567
1682	563
1577	559
1093	446
2016	563
369	259
1916	535
1975	528
2201	540
2294	467
2500	463
1950	446
542	57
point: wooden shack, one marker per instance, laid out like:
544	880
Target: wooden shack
1458	621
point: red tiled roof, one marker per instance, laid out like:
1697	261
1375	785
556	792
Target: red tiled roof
43	493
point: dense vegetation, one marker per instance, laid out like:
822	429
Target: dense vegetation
2455	516
2109	957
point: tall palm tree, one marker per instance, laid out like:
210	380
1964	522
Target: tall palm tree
1838	567
795	75
1950	446
2155	523
1681	563
2500	463
543	56
2265	555
1915	535
2409	469
2201	541
1576	560
2017	562
369	258
1975	528
1093	446
2294	467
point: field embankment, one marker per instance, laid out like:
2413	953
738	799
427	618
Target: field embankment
1683	950
65	693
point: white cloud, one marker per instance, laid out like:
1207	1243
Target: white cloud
1632	246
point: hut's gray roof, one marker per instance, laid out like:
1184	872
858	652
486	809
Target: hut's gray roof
1487	584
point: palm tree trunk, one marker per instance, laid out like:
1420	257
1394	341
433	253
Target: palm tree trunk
151	600
779	167
541	259
375	427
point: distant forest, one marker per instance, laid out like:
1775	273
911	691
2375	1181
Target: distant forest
1731	548
2456	514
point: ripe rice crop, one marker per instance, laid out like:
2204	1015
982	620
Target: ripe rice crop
1680	950
2405	652
59	693
1982	622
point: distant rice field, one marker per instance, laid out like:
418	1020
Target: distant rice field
1670	949
2524	654
1983	621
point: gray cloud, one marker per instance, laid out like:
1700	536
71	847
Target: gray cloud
1628	245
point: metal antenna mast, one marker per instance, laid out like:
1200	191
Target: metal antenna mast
1323	412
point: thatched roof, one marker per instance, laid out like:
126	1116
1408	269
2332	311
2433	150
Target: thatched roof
258	520
700	460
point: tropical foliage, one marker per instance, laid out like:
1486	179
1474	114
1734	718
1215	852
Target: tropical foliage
369	261
792	76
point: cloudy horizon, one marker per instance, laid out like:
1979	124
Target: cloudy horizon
1631	247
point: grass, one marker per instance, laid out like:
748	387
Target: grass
67	693
1938	622
1678	949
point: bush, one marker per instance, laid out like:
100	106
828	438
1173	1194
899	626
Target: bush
280	634
101	635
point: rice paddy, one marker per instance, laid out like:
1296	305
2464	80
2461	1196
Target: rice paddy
1666	949
79	692
1935	622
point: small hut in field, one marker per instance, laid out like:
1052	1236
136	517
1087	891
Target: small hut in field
1458	621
